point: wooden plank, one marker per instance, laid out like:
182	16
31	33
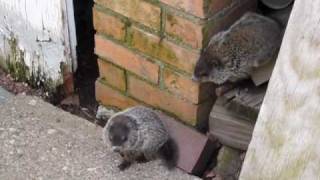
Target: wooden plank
245	100
285	143
262	74
230	128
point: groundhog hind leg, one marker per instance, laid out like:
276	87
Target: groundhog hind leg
127	160
140	158
149	155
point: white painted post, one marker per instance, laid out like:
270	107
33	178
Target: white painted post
286	139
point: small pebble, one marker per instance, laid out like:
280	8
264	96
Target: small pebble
32	102
91	169
12	129
12	141
52	131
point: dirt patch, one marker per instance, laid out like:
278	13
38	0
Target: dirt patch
70	104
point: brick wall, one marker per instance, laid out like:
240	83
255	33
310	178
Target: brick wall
147	51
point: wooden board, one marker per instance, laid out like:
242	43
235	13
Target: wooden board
285	143
245	100
262	74
230	128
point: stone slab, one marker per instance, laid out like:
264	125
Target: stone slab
40	141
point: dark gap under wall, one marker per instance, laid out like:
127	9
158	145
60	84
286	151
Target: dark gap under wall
87	71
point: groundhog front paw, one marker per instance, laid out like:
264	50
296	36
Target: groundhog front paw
124	165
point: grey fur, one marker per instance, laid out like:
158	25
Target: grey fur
146	137
231	55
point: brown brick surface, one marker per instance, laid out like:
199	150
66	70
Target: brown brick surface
181	85
182	97
108	24
126	58
163	100
194	150
164	50
184	29
200	8
138	10
110	97
112	75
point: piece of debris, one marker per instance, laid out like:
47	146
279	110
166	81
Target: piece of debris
246	100
32	102
229	163
71	100
262	74
104	113
230	128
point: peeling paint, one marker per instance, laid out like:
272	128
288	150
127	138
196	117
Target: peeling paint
35	40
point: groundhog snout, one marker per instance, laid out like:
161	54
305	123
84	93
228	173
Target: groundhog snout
116	149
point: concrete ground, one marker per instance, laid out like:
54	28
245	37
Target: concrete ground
40	141
4	95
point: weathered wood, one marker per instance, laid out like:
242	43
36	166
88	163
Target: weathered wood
285	143
262	74
221	90
229	162
245	100
231	129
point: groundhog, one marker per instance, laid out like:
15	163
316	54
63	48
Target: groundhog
139	136
231	55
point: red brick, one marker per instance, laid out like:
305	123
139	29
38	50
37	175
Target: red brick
186	30
164	50
138	10
110	97
200	8
194	149
197	33
127	59
162	99
181	85
112	75
108	24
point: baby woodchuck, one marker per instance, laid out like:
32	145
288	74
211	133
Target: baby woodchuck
231	55
139	136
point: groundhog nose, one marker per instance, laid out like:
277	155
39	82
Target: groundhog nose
200	73
116	149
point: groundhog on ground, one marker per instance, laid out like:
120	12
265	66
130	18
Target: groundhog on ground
139	135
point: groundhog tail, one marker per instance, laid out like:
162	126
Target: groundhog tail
169	154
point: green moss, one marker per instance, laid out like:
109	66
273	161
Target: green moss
149	46
296	167
16	67
15	62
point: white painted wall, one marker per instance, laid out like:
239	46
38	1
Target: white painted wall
44	30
